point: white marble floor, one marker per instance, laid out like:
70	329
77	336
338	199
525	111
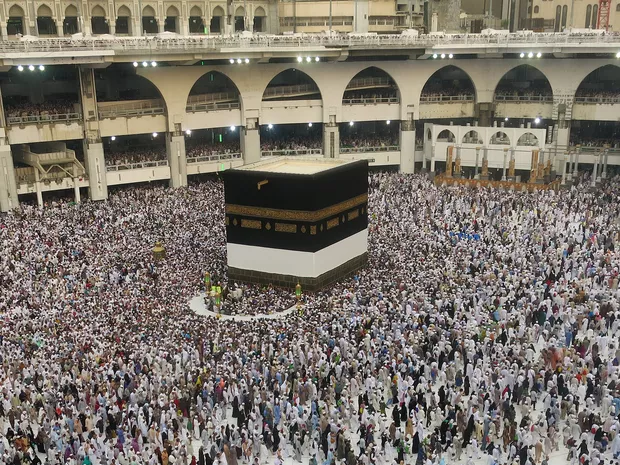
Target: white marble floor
197	304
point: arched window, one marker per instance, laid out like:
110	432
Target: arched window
171	21
217	20
536	9
564	15
122	20
558	14
259	20
98	21
239	19
15	24
618	7
70	23
149	23
45	22
594	16
196	24
588	15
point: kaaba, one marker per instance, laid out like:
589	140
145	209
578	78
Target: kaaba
291	220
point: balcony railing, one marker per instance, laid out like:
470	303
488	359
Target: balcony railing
196	107
598	100
524	98
137	166
212	158
369	82
446	98
369	100
201	43
383	148
291	153
217	97
33	119
594	149
290	91
128	109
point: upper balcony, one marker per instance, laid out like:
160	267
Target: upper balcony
292	90
44	127
125	48
213	101
524	92
122	118
41	104
371	95
597	95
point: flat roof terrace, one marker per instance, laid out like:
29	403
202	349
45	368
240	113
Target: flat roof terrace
178	48
290	165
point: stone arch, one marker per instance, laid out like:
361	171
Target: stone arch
472	137
16	11
195	11
303	76
446	136
124	11
98	12
528	139
172	11
259	12
523	68
368	68
121	78
218	11
148	11
71	11
44	11
499	138
449	68
215	73
240	11
154	86
595	74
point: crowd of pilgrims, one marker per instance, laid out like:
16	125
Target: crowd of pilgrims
483	330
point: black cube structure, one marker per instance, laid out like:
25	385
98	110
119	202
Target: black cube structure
292	220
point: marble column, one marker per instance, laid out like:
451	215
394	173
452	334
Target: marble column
407	147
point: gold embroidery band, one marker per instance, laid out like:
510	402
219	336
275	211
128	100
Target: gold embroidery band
287	228
333	223
252	224
352	215
296	215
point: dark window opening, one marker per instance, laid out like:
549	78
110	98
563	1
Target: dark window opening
100	25
216	24
122	25
15	25
46	26
196	25
149	25
170	24
70	25
258	24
